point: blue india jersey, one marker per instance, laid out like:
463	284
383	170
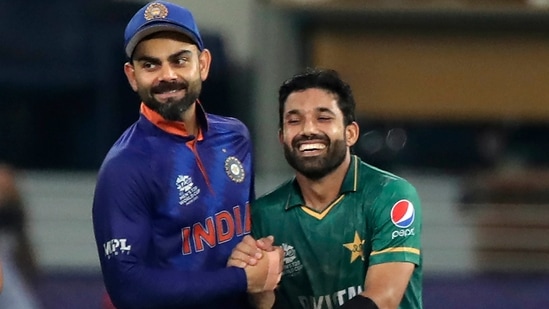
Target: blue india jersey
169	208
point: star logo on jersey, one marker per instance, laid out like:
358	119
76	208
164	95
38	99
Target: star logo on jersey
356	248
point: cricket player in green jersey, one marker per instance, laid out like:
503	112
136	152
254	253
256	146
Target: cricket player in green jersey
350	231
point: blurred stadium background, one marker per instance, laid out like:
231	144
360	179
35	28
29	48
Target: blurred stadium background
452	94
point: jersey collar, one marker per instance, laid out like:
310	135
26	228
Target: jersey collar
350	184
176	127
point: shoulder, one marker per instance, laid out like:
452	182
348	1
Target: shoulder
128	154
269	210
277	198
384	191
373	176
224	125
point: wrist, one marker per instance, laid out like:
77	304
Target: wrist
360	302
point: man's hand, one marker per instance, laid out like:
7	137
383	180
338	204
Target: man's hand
262	262
249	251
272	261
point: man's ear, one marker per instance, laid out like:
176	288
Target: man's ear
351	133
280	136
129	70
204	61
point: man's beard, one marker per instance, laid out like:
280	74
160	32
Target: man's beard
318	166
172	109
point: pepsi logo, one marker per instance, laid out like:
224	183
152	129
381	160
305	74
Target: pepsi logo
403	214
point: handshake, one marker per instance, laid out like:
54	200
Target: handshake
262	262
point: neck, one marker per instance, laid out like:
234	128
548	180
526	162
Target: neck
318	194
190	121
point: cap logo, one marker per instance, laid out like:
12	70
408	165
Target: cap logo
156	10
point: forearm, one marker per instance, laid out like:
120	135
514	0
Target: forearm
156	288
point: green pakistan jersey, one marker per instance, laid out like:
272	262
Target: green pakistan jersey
376	219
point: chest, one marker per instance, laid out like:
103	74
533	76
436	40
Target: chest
203	191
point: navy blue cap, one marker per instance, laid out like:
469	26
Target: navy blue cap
160	16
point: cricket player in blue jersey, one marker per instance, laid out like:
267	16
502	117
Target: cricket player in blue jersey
172	195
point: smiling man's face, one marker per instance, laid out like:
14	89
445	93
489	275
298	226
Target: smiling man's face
166	73
313	132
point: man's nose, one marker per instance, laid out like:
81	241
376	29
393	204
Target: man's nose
309	126
168	73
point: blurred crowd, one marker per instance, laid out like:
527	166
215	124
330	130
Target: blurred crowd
19	267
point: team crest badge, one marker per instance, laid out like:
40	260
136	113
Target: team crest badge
234	169
356	248
156	10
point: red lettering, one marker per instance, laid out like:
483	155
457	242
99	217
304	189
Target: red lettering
186	233
248	219
224	224
201	233
238	219
216	232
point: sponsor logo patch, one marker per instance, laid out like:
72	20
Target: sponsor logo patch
116	246
403	214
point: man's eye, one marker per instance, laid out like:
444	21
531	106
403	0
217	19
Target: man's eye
148	65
